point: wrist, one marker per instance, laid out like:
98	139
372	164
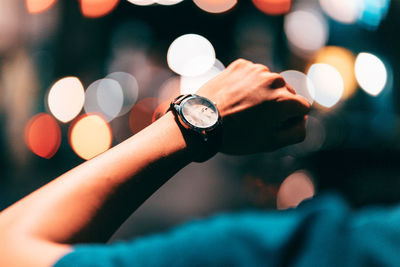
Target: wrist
188	145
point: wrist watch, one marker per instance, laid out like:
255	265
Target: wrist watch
199	119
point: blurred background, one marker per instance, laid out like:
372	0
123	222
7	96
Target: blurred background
80	76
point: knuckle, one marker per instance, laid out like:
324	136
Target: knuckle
261	68
241	62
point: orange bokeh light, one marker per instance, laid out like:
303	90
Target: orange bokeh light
43	135
294	189
90	135
97	8
142	114
273	7
38	6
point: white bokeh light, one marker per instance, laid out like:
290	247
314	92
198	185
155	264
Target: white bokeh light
191	55
130	90
215	6
306	31
301	83
142	2
371	73
344	11
328	84
66	98
190	85
104	97
168	2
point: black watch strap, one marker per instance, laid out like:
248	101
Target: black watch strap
207	143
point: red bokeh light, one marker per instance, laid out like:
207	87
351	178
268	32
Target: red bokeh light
273	7
142	114
43	135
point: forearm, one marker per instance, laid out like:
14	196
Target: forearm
88	203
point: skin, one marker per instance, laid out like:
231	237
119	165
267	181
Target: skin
260	112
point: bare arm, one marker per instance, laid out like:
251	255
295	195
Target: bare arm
88	203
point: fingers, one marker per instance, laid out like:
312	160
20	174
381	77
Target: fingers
294	131
290	105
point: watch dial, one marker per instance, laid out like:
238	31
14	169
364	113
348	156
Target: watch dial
200	112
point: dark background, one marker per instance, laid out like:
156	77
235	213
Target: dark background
359	155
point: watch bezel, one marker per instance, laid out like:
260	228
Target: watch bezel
179	109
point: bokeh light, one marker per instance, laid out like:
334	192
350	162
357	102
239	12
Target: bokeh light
89	136
97	8
371	73
191	55
142	2
301	83
170	89
43	135
189	85
294	189
328	84
306	31
130	90
38	6
372	12
343	60
215	6
141	115
168	2
66	98
273	7
344	11
104	97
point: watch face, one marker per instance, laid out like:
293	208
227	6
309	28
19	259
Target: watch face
200	112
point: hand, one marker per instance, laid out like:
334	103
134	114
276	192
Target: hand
259	111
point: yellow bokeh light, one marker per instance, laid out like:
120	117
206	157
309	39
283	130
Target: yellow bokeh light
343	60
215	6
38	6
90	136
66	98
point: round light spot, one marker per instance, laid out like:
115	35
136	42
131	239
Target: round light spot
328	84
301	84
170	89
168	2
142	2
43	135
343	60
273	7
104	97
371	73
215	6
130	89
190	85
306	32
344	11
294	189
66	98
191	55
97	8
38	6
89	136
